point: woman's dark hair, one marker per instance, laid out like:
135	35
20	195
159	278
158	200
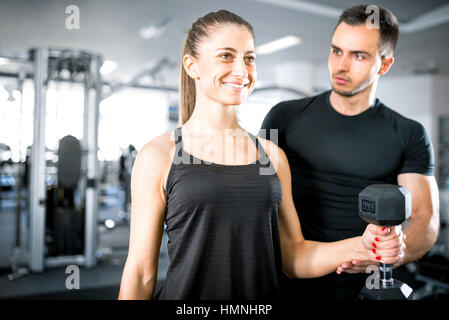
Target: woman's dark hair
388	25
199	31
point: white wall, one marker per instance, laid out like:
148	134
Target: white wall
411	96
297	75
322	80
440	107
423	98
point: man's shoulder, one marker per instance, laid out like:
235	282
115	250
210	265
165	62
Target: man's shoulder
400	121
297	104
284	111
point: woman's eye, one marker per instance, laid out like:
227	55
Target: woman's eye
226	56
336	51
250	59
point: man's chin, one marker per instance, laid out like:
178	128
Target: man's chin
344	93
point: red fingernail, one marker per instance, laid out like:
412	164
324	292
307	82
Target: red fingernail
374	245
377	239
383	229
374	250
378	258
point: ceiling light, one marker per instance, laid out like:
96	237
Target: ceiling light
107	67
3	61
150	32
153	31
279	44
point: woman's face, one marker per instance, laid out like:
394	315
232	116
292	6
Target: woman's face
225	67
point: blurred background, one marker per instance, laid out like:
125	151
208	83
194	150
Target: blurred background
85	84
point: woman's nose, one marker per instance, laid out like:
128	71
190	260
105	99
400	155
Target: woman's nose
239	68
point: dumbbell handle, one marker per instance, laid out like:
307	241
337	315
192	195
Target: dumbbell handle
386	275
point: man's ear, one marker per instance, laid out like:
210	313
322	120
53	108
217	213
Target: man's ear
387	62
190	66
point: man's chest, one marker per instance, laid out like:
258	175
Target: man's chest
368	149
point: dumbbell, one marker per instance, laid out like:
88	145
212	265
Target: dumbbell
385	205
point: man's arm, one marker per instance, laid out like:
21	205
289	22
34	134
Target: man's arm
424	223
417	176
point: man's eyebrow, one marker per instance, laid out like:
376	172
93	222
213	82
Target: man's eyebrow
335	47
354	51
233	50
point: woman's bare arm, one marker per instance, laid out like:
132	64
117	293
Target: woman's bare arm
307	259
148	205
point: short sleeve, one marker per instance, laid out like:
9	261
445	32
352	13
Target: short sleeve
418	151
277	120
272	121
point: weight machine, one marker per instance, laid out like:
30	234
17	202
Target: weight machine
83	67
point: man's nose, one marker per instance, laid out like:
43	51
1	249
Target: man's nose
344	63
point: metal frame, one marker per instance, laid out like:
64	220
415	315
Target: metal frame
37	175
92	112
44	65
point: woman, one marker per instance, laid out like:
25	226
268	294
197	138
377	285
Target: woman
232	229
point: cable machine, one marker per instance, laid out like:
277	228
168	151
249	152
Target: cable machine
85	68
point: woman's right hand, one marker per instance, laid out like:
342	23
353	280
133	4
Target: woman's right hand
384	244
381	244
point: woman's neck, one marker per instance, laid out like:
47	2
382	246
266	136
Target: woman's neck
210	114
214	134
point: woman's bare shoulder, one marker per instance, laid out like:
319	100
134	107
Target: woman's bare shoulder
160	145
157	153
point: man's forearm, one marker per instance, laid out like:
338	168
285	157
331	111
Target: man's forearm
424	223
421	234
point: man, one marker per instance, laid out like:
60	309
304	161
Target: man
345	139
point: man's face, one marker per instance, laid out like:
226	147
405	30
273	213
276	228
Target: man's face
354	60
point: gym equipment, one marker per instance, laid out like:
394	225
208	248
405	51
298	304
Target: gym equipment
433	271
84	69
126	163
385	205
81	69
17	171
64	236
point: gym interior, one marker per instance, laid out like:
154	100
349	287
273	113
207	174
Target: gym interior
85	84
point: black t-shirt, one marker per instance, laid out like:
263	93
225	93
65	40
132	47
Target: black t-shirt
333	157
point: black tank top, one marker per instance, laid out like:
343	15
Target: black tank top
222	226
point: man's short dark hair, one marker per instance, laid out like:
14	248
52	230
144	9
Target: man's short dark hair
388	25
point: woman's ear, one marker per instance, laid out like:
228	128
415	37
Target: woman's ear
190	66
